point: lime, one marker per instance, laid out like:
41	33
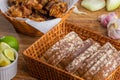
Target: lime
10	40
3	46
10	54
4	61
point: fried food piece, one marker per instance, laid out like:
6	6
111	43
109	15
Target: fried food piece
38	7
11	2
58	9
25	11
37	17
42	11
49	5
15	11
19	11
32	4
43	2
16	2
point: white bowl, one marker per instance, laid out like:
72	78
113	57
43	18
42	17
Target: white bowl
8	72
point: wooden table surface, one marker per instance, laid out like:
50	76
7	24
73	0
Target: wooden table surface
88	20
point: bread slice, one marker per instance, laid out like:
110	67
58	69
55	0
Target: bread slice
108	67
66	45
105	55
79	60
61	44
74	53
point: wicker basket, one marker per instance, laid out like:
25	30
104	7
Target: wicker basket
40	69
27	29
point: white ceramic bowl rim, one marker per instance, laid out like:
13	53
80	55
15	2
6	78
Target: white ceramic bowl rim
16	58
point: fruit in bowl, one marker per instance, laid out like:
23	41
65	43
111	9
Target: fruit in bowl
7	54
8	58
11	41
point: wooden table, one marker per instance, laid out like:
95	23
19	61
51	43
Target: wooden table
88	21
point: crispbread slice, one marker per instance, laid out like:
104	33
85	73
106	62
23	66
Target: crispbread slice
75	52
66	45
78	61
57	46
105	54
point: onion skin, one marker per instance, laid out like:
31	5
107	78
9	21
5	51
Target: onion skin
112	4
77	11
93	5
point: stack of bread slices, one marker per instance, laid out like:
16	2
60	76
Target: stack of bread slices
84	58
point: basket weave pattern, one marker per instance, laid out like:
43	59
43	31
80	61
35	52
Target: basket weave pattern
40	69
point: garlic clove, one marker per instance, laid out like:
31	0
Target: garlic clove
113	29
106	18
103	20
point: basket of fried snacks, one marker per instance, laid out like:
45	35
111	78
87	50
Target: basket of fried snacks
36	17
